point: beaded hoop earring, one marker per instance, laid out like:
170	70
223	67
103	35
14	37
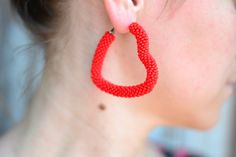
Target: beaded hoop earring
143	54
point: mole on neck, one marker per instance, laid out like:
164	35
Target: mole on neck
102	107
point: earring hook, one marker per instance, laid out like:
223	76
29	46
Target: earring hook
112	31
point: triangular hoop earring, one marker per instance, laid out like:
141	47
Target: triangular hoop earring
143	54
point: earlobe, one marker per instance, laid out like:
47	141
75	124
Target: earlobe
122	13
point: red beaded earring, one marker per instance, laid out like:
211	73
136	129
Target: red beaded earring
144	56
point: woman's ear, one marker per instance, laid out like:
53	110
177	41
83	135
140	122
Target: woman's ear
123	12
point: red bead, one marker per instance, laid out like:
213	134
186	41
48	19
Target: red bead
144	56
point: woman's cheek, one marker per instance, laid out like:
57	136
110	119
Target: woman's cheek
191	82
194	56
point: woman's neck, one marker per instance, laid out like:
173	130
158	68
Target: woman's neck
70	117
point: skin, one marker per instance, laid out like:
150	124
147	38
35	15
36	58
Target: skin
193	43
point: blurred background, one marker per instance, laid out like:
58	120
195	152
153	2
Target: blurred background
21	63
